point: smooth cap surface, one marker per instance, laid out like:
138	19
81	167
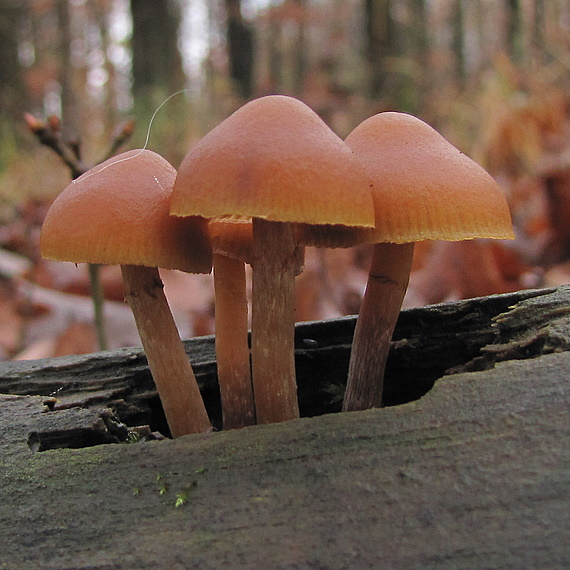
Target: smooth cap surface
118	213
274	158
423	187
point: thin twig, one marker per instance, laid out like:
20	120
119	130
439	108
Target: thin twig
49	134
121	136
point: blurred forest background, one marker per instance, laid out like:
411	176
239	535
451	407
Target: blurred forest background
491	75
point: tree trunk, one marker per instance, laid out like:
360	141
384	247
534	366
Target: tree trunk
299	55
420	37
458	42
157	74
379	44
240	46
70	109
12	93
157	63
275	57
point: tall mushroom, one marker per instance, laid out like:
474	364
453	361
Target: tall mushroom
117	213
275	161
423	189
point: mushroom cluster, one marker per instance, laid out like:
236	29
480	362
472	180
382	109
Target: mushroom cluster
118	213
275	163
269	180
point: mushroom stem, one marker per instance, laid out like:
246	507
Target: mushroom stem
276	256
232	347
385	290
167	359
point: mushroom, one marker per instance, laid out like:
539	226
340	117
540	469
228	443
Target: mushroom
117	213
231	243
275	161
423	189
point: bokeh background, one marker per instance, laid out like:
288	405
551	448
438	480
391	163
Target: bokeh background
491	75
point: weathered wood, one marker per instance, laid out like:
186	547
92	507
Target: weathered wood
428	343
472	475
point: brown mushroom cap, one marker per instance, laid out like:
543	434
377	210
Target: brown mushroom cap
118	213
423	187
275	159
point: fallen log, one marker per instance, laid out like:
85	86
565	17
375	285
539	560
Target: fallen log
471	471
429	342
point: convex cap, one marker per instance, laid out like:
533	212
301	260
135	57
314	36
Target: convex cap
118	213
275	159
423	187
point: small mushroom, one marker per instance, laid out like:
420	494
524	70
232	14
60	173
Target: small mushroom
117	213
231	243
423	189
275	161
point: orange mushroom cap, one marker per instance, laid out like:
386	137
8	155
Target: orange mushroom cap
117	213
232	238
423	187
275	159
